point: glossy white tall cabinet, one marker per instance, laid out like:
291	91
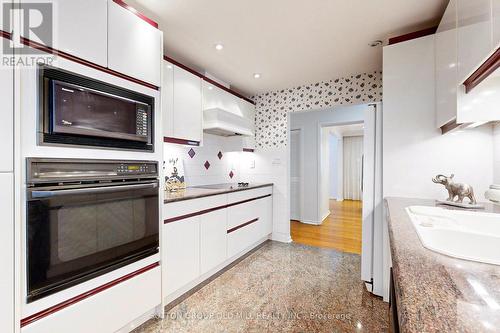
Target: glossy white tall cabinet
182	104
495	7
7	252
79	29
134	46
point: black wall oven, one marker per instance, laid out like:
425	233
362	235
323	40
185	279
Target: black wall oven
77	110
86	218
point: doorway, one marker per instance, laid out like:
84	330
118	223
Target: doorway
350	217
340	189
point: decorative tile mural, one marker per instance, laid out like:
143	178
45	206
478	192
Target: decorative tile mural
272	107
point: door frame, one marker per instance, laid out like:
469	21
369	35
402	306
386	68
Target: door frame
301	162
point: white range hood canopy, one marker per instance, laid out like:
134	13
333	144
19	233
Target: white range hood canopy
221	122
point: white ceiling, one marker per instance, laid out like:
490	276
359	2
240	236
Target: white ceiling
290	42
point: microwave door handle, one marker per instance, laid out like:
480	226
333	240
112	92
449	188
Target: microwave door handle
96	190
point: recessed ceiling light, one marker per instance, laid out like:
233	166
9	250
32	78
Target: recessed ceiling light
256	76
219	47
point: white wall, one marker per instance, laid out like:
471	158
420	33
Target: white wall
310	123
413	149
325	174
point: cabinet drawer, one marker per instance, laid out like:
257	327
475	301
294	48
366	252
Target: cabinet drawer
240	239
249	194
185	207
107	311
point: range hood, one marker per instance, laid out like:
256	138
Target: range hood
221	122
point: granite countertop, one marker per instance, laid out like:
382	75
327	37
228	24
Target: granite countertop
435	292
200	191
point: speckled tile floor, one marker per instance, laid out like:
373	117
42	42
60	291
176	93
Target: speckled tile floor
281	288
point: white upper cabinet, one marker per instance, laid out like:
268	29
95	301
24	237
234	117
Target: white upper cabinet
474	35
79	29
167	99
134	45
446	66
181	104
496	23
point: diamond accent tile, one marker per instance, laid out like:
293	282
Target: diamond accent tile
191	153
207	165
219	155
231	174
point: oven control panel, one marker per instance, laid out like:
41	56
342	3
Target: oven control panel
136	169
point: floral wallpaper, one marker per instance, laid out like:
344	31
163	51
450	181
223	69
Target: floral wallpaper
272	107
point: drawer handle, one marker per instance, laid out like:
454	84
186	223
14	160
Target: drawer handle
242	225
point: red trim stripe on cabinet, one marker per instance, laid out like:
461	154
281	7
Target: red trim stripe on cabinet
207	79
81	61
44	313
181	141
413	35
205	211
5	34
136	13
242	225
486	69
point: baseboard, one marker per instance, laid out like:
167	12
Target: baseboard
312	222
325	216
281	237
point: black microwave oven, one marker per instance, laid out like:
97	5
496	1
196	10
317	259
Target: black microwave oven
77	110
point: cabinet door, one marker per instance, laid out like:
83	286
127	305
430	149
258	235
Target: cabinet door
266	215
446	66
134	45
496	23
188	116
474	35
181	243
79	28
7	123
7	253
213	239
167	99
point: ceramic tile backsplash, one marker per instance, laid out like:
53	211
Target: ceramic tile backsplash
272	107
209	164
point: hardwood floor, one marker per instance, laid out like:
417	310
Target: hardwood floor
340	231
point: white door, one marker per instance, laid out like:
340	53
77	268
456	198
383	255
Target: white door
369	153
188	113
213	237
295	174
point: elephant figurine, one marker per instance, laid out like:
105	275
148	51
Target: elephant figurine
456	190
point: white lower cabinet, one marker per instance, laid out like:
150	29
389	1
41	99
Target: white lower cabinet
107	311
181	242
213	239
219	229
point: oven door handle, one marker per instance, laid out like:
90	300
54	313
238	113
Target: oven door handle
48	194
